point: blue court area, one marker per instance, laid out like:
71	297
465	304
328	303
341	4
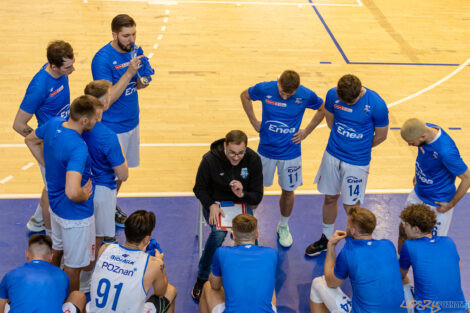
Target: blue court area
176	229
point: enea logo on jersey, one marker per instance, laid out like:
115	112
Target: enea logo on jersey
121	259
53	93
278	104
280	127
123	65
347	131
342	108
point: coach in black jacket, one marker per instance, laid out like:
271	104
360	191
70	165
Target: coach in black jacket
230	171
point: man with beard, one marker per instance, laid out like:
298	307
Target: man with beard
65	157
437	165
118	63
371	264
47	96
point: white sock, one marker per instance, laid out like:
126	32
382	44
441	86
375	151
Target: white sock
48	232
284	220
328	230
38	214
408	295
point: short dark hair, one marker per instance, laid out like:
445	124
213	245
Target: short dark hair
349	88
57	51
85	105
244	227
289	81
40	239
120	21
363	219
419	215
97	88
138	225
236	136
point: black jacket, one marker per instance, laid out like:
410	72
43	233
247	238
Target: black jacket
216	172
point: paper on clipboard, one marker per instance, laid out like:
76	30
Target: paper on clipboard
225	223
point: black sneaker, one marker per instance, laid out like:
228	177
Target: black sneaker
317	247
197	289
119	217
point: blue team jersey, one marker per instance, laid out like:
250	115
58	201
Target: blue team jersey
110	64
281	118
372	266
353	127
436	271
37	287
105	152
437	165
47	97
248	274
65	150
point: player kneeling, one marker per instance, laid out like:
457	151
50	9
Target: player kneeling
124	273
246	272
39	286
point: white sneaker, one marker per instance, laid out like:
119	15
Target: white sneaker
285	238
35	226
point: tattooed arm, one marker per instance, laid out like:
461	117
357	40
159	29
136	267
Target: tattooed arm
20	125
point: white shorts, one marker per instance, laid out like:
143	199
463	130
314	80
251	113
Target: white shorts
335	176
43	174
289	172
68	307
333	298
219	308
76	238
442	219
130	143
104	201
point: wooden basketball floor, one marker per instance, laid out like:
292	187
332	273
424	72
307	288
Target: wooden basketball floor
415	54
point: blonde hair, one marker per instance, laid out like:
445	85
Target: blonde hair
412	129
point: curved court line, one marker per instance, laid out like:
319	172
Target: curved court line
414	95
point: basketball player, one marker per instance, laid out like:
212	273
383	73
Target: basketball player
243	276
437	165
358	118
371	264
47	96
38	286
435	262
284	103
124	273
68	172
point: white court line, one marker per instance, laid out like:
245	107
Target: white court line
155	46
453	73
150	55
359	3
165	20
238	3
163	28
30	164
190	194
6	179
160	37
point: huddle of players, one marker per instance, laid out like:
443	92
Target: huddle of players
358	119
357	116
82	152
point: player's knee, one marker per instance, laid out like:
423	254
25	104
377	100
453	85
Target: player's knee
206	290
77	298
329	199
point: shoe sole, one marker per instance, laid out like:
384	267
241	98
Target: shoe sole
315	254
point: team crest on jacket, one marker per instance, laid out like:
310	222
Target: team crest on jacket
244	173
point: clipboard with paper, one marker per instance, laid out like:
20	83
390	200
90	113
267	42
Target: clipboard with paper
231	210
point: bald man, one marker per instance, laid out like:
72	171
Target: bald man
437	165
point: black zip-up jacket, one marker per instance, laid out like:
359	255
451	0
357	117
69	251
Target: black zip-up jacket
216	172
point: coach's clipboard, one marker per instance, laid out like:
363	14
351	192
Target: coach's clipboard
231	210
